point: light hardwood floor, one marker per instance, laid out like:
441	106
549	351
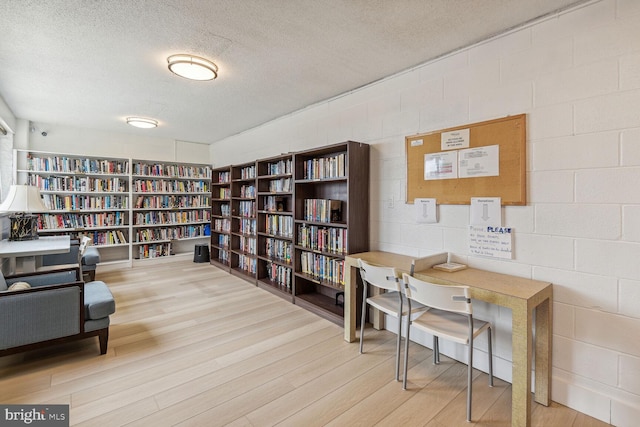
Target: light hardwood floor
191	345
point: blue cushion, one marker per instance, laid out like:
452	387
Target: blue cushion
91	256
98	300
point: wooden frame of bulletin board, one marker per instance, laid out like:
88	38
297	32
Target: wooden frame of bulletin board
508	133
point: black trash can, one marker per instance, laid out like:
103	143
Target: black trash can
201	253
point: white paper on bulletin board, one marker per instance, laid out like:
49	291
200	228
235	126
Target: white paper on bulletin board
443	165
493	242
478	162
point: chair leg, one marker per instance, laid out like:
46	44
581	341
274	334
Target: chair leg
363	317
92	275
490	359
436	350
103	337
469	379
406	353
398	347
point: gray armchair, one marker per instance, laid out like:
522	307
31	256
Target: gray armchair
88	258
58	307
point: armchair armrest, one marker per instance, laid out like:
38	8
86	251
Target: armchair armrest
49	277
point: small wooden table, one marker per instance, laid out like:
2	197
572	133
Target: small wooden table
30	249
521	295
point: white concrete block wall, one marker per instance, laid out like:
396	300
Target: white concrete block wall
577	77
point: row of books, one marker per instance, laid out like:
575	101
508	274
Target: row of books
223	240
169	186
322	210
84	202
248	191
248	172
103	238
222	225
282	185
247	208
323	268
225	210
323	239
225	193
168	233
325	167
275	204
224	177
279	225
247	264
248	245
154	250
280	168
223	256
78	183
278	249
177	171
172	202
247	226
280	275
165	217
76	165
104	219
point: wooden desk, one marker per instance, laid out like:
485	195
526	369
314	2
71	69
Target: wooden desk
30	249
522	296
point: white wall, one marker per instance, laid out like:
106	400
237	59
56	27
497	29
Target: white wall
90	142
577	77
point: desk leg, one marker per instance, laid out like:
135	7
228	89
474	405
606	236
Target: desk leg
350	298
521	374
544	322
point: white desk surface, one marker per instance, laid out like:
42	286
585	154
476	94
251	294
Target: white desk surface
42	246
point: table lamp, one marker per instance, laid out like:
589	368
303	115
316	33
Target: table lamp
22	200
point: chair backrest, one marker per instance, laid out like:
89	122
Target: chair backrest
443	297
83	244
381	277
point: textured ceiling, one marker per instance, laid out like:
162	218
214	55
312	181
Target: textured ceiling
91	63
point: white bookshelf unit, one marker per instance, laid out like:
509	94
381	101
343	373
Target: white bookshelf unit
132	209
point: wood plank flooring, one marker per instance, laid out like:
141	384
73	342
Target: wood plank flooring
191	345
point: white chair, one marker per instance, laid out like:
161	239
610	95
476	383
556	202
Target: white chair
391	301
450	316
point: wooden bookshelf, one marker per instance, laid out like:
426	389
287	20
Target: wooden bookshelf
275	225
130	208
85	195
221	217
171	206
244	232
331	221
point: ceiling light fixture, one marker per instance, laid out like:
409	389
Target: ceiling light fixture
192	67
142	123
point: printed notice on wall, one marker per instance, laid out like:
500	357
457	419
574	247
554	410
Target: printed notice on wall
491	241
480	161
425	210
454	140
441	165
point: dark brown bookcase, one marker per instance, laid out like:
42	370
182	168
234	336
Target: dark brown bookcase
331	218
244	233
293	219
275	225
221	217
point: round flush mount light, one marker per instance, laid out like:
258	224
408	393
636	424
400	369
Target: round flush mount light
142	123
192	67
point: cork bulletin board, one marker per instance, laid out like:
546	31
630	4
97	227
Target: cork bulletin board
490	161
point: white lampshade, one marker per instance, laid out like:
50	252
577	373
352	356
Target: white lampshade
23	198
